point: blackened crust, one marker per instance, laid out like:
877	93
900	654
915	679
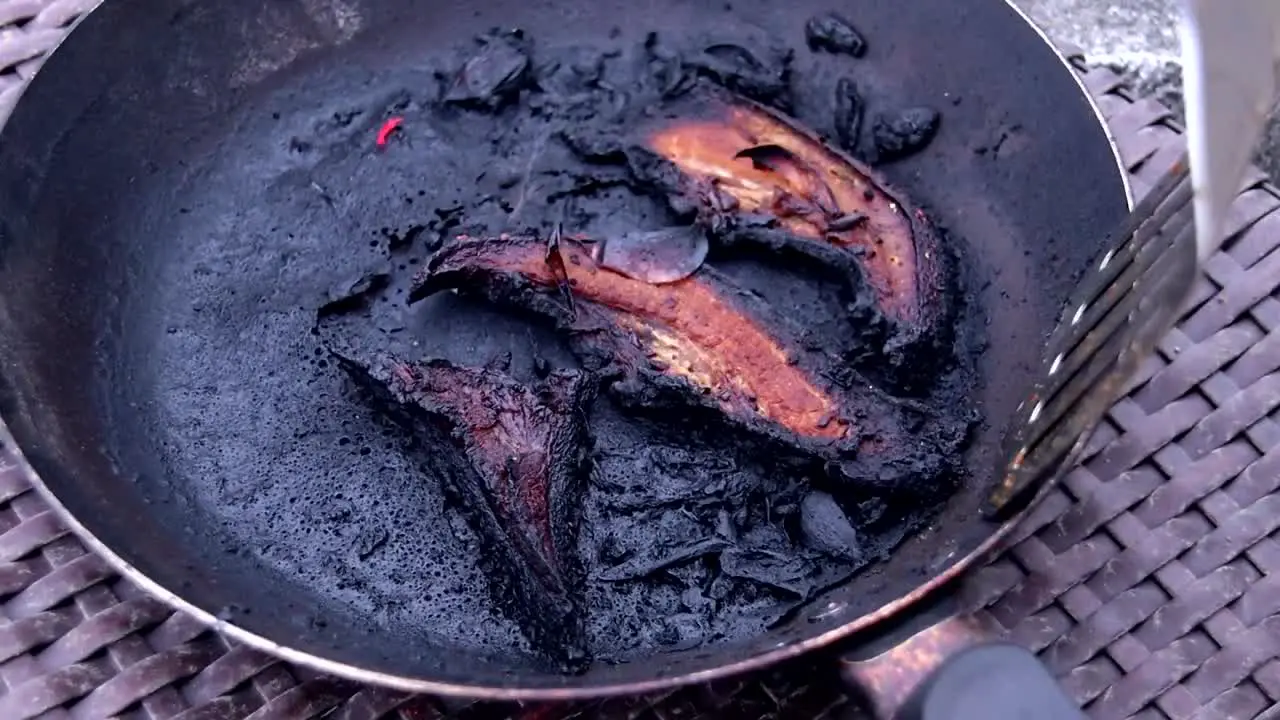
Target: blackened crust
515	457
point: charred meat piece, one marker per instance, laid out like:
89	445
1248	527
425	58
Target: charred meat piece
738	156
834	34
519	463
700	343
692	334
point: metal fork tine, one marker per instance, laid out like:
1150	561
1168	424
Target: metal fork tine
1129	302
1095	357
1172	193
1155	242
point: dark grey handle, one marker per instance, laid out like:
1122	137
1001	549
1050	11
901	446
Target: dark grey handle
954	668
994	681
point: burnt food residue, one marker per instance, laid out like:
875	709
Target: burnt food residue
734	379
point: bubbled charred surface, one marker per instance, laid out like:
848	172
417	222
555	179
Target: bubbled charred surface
516	458
706	344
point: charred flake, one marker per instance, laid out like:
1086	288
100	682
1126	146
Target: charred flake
765	77
656	257
762	73
750	174
493	76
520	455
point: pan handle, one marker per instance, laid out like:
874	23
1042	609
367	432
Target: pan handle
958	670
935	661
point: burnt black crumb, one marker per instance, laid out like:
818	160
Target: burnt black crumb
904	133
762	73
834	34
994	148
541	367
849	111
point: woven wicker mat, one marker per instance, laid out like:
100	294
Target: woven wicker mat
1150	582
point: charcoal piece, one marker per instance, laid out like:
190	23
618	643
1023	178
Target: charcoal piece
763	75
683	631
834	34
826	528
708	348
903	133
493	76
515	456
850	109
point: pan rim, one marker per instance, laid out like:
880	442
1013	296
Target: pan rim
12	458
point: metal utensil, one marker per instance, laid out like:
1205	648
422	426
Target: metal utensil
1231	53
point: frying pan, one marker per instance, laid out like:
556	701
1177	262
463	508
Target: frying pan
162	246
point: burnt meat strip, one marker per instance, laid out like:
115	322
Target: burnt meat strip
700	343
742	158
750	174
519	461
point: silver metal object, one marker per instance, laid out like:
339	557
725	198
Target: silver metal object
1231	68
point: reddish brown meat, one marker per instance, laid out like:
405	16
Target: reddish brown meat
693	330
703	343
738	156
519	466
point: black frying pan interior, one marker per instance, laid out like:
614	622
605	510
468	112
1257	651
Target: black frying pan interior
185	180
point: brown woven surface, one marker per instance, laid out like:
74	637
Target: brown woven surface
1150	581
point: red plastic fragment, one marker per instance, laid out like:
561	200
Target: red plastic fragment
388	127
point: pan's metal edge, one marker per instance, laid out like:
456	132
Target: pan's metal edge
1129	198
783	651
4	119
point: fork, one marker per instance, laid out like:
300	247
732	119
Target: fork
1135	293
